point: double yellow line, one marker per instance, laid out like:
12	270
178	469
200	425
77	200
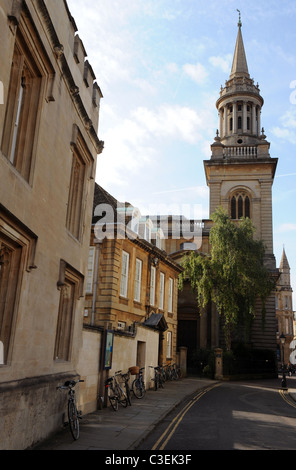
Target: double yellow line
166	436
285	395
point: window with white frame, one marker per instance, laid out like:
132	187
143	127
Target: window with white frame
152	285
138	278
169	345
171	289
124	274
148	230
121	325
161	290
136	215
90	270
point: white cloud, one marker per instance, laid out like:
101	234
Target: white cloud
133	144
197	72
288	130
288	227
178	122
172	67
289	118
224	63
284	134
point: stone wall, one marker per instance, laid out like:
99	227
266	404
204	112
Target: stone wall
34	210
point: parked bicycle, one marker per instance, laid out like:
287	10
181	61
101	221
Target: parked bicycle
173	372
158	380
176	372
165	372
73	414
126	378
138	385
115	392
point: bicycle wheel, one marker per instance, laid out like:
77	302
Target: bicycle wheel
138	388
73	419
128	394
121	396
156	383
174	374
113	402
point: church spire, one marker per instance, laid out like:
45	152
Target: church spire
284	262
239	107
239	65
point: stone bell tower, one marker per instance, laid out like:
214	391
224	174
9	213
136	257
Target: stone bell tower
240	172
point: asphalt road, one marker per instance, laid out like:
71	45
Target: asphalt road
229	416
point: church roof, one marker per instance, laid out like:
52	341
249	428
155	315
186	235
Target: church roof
239	65
101	196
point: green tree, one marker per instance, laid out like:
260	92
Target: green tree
233	276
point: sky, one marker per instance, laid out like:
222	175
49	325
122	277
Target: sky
160	65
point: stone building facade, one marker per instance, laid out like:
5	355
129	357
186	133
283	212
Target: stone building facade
48	152
241	172
240	176
131	294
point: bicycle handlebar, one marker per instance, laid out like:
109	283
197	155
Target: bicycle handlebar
69	384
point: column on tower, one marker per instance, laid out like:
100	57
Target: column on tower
244	116
225	120
235	117
221	123
258	121
254	123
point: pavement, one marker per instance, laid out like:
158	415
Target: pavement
126	428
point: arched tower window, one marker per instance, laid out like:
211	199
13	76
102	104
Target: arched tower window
247	207
240	205
233	207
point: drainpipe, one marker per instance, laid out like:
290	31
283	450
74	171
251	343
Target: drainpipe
93	309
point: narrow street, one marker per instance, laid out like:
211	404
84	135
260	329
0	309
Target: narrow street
230	416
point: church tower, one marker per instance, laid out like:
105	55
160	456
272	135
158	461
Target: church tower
284	310
241	172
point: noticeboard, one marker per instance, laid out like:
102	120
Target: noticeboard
108	352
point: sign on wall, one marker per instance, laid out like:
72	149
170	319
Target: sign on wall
109	336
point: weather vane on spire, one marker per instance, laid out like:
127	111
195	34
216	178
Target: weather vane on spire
239	19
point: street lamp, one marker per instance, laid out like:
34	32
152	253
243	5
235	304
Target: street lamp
283	339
